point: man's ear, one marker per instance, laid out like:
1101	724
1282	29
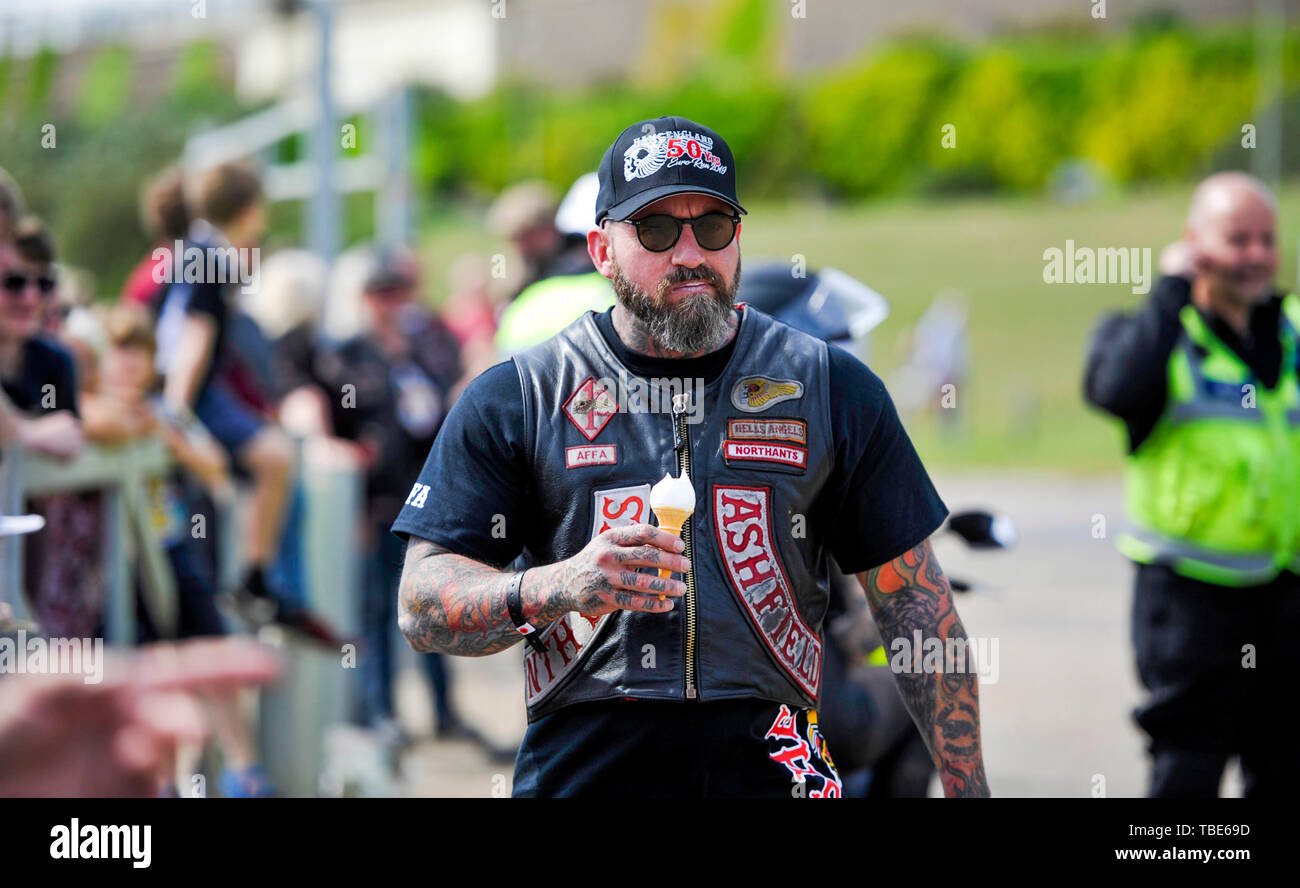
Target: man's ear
598	248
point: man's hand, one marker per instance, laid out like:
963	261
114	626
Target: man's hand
909	595
60	736
603	576
451	604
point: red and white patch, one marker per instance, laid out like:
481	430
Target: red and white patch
570	636
801	749
795	430
595	455
590	407
759	451
742	517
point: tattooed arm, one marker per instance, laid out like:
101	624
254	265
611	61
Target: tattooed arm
909	594
451	604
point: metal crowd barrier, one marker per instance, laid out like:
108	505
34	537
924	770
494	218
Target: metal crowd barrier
293	715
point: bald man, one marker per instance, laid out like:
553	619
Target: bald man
1204	379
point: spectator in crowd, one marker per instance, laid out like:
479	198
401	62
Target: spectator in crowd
525	214
203	379
471	313
39	381
403	365
121	410
166	220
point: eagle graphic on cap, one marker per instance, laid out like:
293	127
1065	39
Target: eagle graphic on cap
758	391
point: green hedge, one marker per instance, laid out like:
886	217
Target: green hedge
1156	103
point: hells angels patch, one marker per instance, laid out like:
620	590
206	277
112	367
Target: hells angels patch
754	394
569	637
590	407
793	430
742	517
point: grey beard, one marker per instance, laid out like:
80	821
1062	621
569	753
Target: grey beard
697	324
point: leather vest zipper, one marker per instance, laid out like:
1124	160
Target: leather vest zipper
682	445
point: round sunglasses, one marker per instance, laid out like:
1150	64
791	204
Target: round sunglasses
14	282
660	232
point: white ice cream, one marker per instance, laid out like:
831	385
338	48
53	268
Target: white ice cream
673	493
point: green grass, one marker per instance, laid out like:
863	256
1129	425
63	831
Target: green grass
1022	406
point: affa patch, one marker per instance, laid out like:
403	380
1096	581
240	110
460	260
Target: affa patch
754	394
590	455
570	636
743	520
590	407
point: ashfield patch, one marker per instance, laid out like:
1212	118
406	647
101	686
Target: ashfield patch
590	407
754	394
568	638
795	430
743	518
591	455
765	453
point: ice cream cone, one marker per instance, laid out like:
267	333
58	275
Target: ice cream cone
670	520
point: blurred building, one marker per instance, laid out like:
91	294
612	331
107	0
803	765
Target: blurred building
465	46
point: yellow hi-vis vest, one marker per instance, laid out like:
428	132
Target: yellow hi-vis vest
1214	491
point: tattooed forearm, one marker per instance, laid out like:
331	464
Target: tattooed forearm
451	604
455	605
909	595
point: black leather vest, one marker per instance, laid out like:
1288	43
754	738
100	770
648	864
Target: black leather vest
759	448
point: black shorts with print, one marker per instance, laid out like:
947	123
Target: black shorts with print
744	748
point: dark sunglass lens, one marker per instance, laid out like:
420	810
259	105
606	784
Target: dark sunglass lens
46	284
713	231
658	233
15	283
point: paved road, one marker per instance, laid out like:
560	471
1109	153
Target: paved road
1055	722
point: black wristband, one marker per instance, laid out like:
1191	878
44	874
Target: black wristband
516	608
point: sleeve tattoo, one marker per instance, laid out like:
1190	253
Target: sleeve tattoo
907	595
450	604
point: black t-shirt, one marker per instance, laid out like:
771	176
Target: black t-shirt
45	362
877	503
398	404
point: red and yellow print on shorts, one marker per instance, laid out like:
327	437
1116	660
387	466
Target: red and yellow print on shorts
795	744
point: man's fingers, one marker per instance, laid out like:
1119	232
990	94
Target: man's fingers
649	556
636	601
632	581
646	534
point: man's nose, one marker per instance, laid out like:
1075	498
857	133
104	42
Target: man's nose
687	250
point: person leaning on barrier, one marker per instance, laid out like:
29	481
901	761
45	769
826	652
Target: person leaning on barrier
1205	379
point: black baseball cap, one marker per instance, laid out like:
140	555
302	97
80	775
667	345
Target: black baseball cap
656	158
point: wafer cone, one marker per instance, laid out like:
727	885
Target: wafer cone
671	520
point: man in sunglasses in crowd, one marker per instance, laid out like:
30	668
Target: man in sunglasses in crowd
39	405
659	666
